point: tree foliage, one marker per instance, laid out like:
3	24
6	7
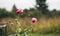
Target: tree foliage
31	12
42	6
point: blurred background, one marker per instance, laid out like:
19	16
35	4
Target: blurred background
46	11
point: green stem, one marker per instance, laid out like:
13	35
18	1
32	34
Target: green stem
18	29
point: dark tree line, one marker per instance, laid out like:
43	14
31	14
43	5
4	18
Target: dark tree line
4	13
40	11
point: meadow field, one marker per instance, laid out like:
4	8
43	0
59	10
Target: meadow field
44	26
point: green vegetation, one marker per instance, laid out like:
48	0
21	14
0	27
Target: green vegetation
35	34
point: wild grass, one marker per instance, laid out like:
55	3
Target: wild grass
44	25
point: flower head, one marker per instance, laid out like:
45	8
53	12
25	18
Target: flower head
20	11
34	20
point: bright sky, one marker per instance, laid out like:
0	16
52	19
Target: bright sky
21	4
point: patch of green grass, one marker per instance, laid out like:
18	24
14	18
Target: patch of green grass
37	34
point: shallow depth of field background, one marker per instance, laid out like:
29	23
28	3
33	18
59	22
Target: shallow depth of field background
48	23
